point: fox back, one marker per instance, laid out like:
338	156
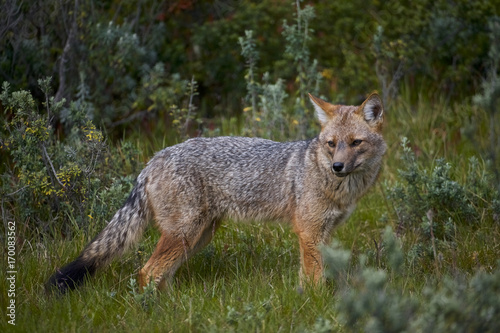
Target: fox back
228	177
190	188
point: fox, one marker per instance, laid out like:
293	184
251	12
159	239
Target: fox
190	188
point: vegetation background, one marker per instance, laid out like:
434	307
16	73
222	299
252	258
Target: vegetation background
93	88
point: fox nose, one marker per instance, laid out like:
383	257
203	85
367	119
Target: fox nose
338	166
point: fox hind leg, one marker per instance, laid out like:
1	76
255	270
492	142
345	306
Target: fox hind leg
171	251
165	260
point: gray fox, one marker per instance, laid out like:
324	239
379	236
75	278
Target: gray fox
190	188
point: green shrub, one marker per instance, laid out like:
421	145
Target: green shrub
270	113
489	97
432	198
377	300
55	179
147	297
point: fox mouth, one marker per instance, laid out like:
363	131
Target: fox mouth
342	174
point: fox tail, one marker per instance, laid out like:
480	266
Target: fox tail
123	231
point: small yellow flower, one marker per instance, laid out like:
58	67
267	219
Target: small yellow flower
248	108
90	217
327	73
257	119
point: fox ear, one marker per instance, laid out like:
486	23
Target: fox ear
372	109
323	109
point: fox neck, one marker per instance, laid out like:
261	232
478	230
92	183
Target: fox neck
349	189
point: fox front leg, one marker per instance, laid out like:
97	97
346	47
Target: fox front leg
311	269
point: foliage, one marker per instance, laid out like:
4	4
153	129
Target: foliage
144	298
436	199
251	55
372	299
51	179
297	38
431	203
489	98
251	318
269	116
390	64
160	92
111	48
266	116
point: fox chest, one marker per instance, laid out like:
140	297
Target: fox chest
324	214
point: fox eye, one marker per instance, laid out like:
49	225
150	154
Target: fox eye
331	144
357	142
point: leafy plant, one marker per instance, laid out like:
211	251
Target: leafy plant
297	38
374	300
52	181
489	98
272	115
145	298
430	203
436	197
250	318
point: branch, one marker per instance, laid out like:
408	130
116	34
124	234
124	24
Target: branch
190	105
22	188
65	56
51	165
130	118
10	17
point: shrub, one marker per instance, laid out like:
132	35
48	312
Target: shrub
431	199
270	114
54	178
378	300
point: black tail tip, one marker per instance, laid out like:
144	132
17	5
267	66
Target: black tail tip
70	276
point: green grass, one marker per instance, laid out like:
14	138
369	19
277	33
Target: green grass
246	280
249	270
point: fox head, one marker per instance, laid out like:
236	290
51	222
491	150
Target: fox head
351	136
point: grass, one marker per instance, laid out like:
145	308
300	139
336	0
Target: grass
246	280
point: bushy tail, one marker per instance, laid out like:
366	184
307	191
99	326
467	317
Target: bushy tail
123	231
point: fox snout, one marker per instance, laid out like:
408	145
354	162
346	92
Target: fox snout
338	166
340	169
